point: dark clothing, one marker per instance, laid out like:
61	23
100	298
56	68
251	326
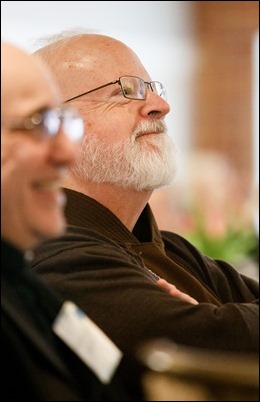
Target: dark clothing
36	364
106	270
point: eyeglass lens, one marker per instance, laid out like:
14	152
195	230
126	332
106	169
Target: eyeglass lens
133	87
136	88
70	121
158	88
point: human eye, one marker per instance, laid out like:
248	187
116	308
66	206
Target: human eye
45	122
33	122
116	92
128	89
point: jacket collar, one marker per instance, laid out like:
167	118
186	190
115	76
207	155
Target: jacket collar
84	211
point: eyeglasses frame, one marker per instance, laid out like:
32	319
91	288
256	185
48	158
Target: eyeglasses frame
118	81
28	123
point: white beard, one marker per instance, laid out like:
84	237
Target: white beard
141	162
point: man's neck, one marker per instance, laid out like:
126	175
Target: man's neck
126	204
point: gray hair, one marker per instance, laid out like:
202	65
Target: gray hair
56	37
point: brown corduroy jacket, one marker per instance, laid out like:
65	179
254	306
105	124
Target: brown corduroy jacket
109	272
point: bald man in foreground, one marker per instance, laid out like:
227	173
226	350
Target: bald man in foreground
50	349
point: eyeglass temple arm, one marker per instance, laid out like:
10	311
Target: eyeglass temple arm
92	90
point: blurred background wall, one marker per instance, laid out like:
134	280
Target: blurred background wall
207	55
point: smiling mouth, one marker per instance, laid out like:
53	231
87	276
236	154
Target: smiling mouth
50	193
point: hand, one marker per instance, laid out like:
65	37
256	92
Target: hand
175	292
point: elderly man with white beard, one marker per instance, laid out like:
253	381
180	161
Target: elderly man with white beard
113	256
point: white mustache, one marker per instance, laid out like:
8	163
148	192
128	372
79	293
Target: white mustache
146	127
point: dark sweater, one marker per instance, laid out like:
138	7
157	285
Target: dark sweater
36	364
106	270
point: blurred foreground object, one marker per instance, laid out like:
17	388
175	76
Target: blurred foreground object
179	373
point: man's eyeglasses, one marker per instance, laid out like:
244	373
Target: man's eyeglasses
47	122
131	87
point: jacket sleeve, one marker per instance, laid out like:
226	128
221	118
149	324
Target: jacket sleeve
224	279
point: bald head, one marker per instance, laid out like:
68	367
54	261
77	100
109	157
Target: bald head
87	68
26	88
84	61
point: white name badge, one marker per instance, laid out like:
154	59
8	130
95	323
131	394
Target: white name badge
87	340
